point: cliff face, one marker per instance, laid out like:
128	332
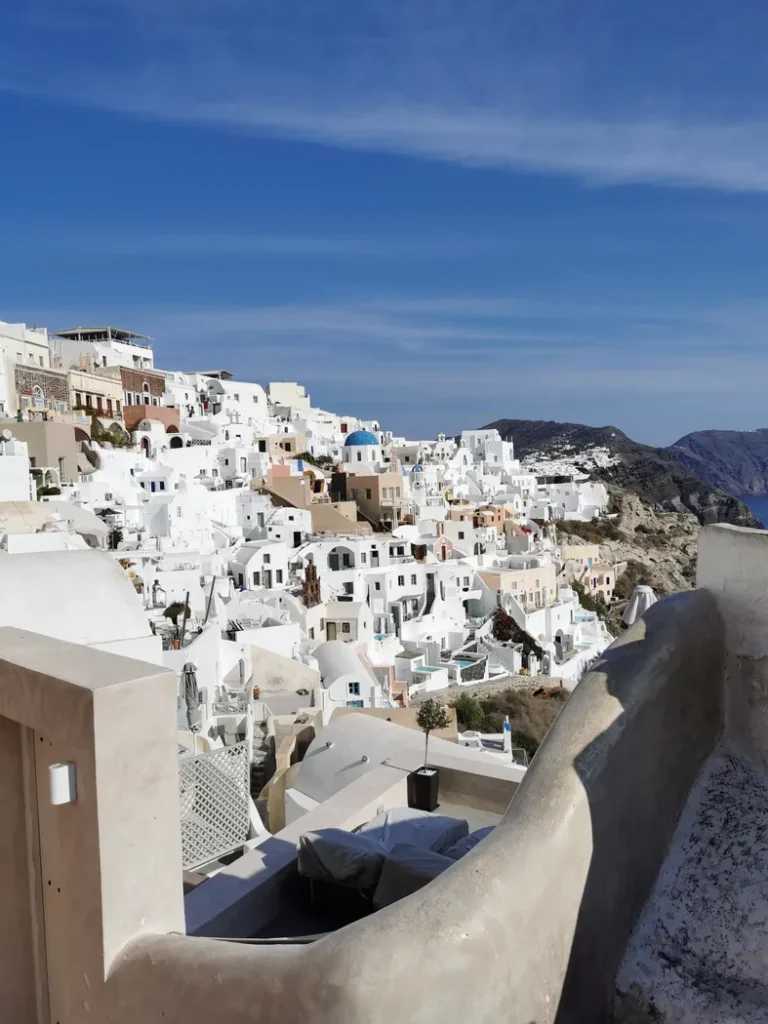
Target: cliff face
656	475
734	460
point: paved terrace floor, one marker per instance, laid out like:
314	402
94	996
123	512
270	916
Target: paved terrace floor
699	954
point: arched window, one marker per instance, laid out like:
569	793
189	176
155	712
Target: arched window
145	391
38	397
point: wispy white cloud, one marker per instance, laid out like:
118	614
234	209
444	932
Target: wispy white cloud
437	246
604	92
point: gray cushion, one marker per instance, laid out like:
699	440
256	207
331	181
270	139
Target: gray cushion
406	869
419	828
347	858
467	843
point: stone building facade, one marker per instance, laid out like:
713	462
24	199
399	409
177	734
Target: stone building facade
41	389
142	387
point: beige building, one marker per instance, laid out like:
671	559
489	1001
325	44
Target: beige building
327	516
579	557
531	588
280	446
600	580
379	496
51	446
96	393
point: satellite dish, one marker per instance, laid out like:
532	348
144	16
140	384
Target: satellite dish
7	435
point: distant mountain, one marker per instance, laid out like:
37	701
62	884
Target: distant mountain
655	474
735	460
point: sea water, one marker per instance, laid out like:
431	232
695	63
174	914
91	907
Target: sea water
757	505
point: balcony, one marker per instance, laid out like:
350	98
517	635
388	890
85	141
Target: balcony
624	882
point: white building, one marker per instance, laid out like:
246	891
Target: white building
15	480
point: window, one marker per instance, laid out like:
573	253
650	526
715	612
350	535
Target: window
38	398
363	558
353	689
214	472
461	535
377	585
290	519
256	399
236	397
353	492
260	518
256	579
401	581
262	446
397	492
226	462
311	630
607	580
466	581
322	625
368	493
414	580
62	472
267	559
78	398
145	388
42	361
162	485
346	628
278	576
288	446
128	399
359	456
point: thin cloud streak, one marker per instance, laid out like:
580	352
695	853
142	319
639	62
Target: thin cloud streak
502	85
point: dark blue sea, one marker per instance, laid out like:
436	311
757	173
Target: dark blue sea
758	506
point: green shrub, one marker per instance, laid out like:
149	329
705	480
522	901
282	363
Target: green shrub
469	712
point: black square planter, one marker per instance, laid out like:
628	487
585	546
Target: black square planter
423	788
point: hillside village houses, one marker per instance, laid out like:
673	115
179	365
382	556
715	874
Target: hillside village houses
270	547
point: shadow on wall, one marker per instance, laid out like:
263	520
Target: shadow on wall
666	677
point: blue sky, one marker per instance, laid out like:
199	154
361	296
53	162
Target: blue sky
436	213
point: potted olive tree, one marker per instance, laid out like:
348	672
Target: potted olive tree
424	783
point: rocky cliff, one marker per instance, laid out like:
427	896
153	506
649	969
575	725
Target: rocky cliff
734	460
656	475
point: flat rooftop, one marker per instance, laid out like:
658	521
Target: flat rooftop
102	334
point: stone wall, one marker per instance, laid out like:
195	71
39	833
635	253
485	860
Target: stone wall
54	384
134	381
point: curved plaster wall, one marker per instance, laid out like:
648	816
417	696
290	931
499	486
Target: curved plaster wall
532	925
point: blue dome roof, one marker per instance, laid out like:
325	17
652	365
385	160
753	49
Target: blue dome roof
360	437
417	469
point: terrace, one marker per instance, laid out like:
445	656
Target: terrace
625	881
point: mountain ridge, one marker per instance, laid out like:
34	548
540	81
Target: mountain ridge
734	460
657	475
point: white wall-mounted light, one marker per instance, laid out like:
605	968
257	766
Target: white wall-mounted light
62	783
